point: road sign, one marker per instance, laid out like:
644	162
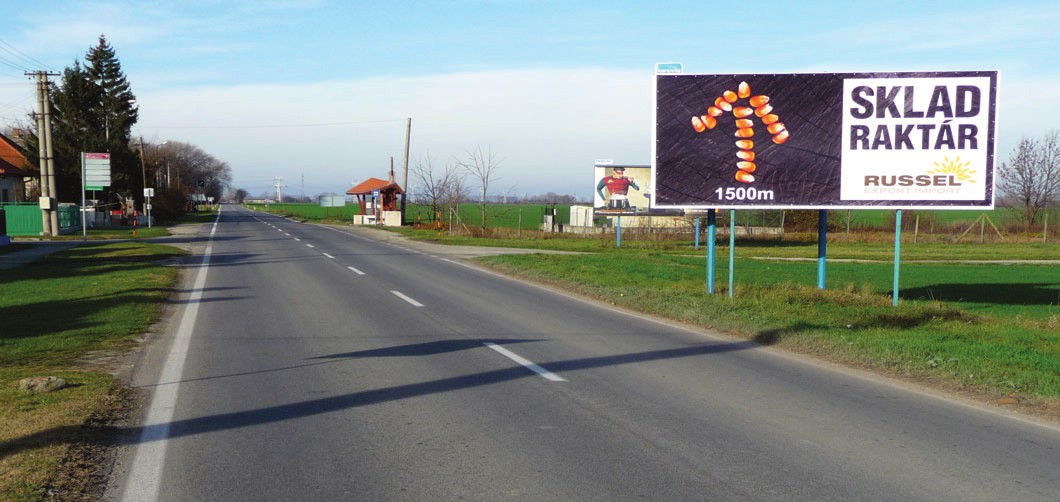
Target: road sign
96	170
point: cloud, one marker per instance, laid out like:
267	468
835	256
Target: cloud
547	124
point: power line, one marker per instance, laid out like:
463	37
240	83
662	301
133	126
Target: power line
273	126
12	50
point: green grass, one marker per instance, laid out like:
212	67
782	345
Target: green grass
877	247
309	211
104	292
97	296
529	216
875	218
991	328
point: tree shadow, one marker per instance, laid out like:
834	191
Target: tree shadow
773	336
1025	293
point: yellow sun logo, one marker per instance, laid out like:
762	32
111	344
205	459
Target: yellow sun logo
954	167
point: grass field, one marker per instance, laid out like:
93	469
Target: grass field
497	215
55	311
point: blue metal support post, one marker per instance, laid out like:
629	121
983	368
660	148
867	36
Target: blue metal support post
897	252
822	246
696	232
732	249
711	230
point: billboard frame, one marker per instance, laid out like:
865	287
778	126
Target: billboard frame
897	92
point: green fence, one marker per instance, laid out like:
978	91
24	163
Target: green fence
25	219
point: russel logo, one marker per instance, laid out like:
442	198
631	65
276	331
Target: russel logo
744	107
948	177
908	180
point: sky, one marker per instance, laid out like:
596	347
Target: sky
319	92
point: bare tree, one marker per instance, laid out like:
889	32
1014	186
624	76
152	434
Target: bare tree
481	166
1031	177
440	190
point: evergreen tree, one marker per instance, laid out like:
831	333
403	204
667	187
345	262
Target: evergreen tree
75	129
117	102
94	110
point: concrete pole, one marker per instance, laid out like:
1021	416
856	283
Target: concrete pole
50	160
42	139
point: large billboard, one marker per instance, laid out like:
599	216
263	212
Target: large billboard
823	141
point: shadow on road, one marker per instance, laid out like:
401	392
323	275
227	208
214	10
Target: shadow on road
236	420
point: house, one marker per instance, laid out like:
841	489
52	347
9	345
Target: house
18	179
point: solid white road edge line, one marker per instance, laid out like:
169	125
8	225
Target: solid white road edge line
410	300
548	375
145	475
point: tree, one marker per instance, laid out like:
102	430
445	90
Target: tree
179	170
481	166
1031	177
439	190
116	100
196	172
238	195
93	110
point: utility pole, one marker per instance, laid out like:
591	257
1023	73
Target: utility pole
49	194
143	172
279	189
405	183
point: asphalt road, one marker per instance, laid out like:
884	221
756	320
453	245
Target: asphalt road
311	363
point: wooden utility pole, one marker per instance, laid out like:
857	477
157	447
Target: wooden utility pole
405	183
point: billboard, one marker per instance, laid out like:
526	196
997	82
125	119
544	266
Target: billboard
620	190
823	141
332	200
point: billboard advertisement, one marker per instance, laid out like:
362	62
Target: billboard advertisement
823	141
620	190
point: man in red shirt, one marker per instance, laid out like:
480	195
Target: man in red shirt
617	186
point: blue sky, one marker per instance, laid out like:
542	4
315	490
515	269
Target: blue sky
319	90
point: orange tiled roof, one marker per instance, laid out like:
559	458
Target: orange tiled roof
12	160
372	184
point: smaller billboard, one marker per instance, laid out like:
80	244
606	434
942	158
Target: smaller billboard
624	190
621	189
332	200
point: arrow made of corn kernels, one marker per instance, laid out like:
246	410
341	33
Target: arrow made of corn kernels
759	107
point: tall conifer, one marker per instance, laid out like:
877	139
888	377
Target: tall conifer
94	110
